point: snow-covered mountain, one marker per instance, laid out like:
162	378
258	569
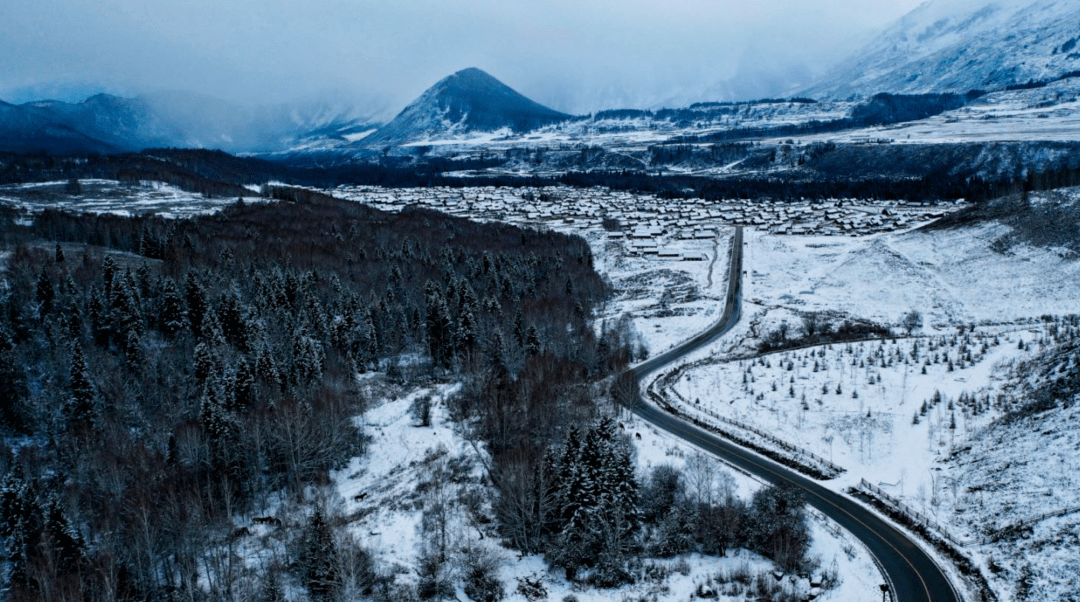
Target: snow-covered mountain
106	123
467	102
961	45
23	129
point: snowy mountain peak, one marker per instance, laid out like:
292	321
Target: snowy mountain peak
466	102
960	45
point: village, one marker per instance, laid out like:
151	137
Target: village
648	225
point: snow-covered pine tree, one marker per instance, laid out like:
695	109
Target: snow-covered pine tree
320	558
171	319
20	524
81	395
197	303
45	292
532	341
64	538
271	589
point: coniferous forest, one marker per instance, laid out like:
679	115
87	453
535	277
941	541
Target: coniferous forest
161	377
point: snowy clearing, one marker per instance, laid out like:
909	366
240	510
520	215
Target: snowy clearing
117	198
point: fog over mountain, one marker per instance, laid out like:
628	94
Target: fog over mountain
572	57
960	45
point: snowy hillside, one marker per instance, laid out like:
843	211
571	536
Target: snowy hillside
961	45
970	420
466	102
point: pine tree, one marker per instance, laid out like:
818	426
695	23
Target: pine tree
244	392
552	481
108	275
308	358
272	590
221	429
126	314
99	323
265	366
204	362
171	312
20	525
65	539
467	331
519	330
439	329
624	487
497	351
45	293
320	558
80	403
197	303
233	321
566	472
532	341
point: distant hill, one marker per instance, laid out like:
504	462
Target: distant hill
24	130
108	124
466	102
961	45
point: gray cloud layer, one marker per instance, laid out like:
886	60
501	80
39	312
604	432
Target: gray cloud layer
571	54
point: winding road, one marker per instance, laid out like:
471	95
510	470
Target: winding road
913	576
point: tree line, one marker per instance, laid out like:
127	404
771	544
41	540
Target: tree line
219	174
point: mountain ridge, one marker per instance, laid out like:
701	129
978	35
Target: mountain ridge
104	123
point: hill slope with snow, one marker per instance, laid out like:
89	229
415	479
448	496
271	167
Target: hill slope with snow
961	45
466	102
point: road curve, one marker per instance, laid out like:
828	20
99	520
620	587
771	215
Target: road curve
913	575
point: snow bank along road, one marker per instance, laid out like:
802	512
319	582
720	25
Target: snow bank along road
914	576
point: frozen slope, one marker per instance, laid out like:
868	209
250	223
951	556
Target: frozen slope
961	45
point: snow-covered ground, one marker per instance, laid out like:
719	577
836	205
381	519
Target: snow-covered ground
1014	472
1051	113
835	549
118	198
951	276
974	478
959	464
856	403
380	497
667	301
379	488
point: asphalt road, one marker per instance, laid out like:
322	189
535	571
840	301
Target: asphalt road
913	576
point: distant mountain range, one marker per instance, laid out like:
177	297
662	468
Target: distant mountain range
108	124
961	45
942	46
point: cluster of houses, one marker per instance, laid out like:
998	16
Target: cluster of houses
646	223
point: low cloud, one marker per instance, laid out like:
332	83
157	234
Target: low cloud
574	56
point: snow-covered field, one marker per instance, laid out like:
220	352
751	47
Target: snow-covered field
953	277
118	198
1050	113
857	403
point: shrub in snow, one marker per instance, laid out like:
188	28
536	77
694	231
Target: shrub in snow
481	584
421	410
531	588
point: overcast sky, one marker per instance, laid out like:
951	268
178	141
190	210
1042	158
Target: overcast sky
575	55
